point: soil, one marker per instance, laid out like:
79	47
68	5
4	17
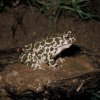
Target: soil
35	26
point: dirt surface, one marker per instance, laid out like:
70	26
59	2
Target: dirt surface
33	27
21	77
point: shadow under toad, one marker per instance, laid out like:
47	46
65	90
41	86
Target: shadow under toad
74	50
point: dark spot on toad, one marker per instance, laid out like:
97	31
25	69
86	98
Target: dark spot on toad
43	43
50	55
50	40
47	50
37	45
51	49
57	40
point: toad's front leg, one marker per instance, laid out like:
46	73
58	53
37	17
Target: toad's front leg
52	63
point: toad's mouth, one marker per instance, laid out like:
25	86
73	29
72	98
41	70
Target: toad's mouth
65	46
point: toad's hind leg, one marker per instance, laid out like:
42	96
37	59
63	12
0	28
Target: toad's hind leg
35	65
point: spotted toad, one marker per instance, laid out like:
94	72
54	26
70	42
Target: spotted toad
46	50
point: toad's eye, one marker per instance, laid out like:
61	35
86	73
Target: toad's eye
66	37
